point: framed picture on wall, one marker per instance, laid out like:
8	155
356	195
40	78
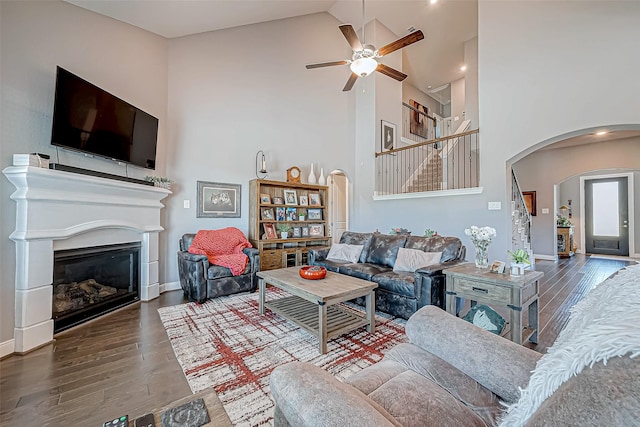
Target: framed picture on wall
387	136
530	201
218	200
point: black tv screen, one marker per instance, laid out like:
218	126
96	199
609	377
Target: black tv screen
89	119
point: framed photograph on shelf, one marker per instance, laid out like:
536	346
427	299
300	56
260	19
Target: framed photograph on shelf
297	232
270	231
387	136
314	199
497	267
290	197
218	200
280	213
267	213
314	214
304	200
278	200
304	231
530	201
316	230
292	215
265	199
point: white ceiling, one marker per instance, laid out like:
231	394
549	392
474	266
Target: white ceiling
434	61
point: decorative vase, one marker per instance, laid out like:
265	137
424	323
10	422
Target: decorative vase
482	256
284	234
321	179
312	176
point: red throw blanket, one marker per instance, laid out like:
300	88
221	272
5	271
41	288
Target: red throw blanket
222	247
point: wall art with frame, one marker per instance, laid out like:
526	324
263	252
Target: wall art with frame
387	136
218	200
530	201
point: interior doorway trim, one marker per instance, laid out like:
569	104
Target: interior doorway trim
632	233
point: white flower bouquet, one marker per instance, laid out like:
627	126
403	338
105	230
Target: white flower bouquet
481	237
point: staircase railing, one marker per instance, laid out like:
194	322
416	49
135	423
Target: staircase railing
445	163
520	219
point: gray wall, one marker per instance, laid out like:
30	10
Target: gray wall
543	169
35	38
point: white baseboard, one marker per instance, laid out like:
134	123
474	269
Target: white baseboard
546	257
171	286
7	347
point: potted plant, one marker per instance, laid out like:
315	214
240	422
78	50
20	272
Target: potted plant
284	230
429	232
520	259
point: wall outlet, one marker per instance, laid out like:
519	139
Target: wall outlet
545	210
186	204
495	206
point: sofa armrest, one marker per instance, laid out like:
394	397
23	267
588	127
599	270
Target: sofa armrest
192	270
254	258
437	268
495	362
308	396
318	255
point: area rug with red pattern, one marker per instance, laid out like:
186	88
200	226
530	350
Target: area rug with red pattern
227	345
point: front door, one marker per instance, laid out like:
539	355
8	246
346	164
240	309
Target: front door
607	216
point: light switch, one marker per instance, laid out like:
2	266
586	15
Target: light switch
495	206
186	204
545	210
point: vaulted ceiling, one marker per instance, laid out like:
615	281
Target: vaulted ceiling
431	63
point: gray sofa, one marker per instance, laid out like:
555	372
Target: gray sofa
201	280
452	373
399	293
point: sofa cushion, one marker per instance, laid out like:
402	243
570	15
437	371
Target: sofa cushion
362	271
353	238
449	246
412	259
384	249
420	389
401	283
345	252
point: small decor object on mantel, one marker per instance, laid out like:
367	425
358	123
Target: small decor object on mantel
481	238
321	179
161	182
400	231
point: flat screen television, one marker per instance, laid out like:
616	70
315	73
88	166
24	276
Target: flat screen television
91	120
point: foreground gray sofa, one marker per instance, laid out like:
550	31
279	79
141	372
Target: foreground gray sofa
399	293
453	373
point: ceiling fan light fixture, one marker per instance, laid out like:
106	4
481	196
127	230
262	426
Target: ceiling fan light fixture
364	66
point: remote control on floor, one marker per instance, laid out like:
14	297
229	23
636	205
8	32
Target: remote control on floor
122	421
145	421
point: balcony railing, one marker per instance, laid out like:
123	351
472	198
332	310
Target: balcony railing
447	163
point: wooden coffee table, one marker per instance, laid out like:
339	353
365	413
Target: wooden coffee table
312	304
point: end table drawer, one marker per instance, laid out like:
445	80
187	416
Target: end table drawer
470	288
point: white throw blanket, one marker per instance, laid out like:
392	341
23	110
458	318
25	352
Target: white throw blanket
601	326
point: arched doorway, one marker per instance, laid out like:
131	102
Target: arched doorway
338	184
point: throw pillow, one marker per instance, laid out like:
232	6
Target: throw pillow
413	259
344	252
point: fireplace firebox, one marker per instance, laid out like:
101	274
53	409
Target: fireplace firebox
89	282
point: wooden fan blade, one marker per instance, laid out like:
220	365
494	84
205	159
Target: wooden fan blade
326	64
416	36
351	36
391	72
352	80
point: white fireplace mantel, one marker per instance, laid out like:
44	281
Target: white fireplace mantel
62	210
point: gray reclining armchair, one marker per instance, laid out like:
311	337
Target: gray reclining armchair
201	280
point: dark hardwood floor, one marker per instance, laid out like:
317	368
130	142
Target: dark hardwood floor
124	363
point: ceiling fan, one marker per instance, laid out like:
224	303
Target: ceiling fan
363	61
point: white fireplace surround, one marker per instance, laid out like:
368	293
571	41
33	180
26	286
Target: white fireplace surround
62	210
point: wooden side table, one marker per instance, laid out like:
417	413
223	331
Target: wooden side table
514	292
